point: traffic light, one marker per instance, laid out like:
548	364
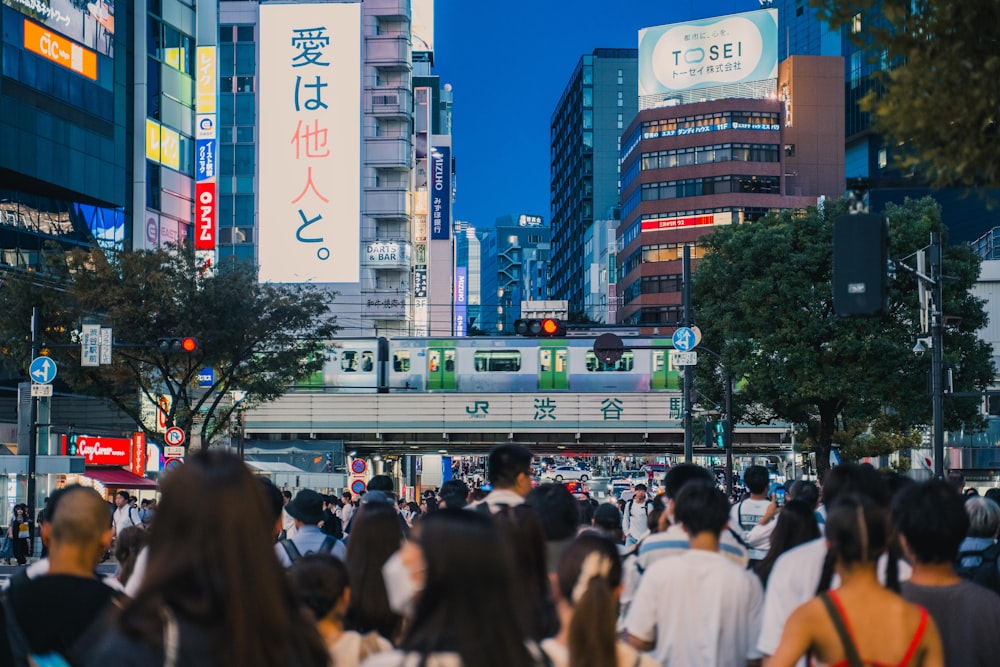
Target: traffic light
860	262
720	433
187	345
71	446
544	328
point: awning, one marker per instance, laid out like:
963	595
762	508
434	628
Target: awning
119	479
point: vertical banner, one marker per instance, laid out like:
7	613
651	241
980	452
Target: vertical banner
206	193
461	301
138	459
440	192
310	142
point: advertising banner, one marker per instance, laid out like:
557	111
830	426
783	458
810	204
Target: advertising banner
138	464
91	24
461	301
59	50
205	216
658	224
440	192
206	84
204	159
310	142
101	451
701	54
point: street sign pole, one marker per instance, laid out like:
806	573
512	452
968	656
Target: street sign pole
36	349
688	371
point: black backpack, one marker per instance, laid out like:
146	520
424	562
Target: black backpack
293	551
984	571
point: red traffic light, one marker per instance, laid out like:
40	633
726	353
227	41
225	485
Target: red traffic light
189	344
544	328
550	327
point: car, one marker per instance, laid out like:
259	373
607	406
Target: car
561	472
617	487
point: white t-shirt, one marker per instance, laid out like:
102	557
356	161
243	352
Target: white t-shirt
125	517
744	517
793	582
698	608
635	518
347	650
627	655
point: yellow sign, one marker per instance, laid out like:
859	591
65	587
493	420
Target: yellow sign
170	148
60	50
206	83
152	140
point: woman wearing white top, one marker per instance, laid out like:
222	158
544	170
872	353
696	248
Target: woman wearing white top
589	583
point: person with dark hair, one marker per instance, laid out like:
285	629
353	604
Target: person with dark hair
465	614
797	575
377	535
213	592
331	522
932	522
795	525
993	494
748	513
65	610
320	583
428	504
306	510
956	479
382	483
697	608
862	622
275	504
521	530
510	475
128	545
347	508
557	510
636	514
608	521
588	582
20	534
454	494
287	522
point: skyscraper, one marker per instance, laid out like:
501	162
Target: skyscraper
599	101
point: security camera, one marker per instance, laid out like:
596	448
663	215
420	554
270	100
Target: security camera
919	349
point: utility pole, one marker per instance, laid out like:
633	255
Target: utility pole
36	350
937	354
688	370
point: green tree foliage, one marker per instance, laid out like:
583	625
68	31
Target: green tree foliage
763	299
257	337
937	81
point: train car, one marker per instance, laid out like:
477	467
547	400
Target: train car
492	365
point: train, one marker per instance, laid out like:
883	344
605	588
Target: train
492	365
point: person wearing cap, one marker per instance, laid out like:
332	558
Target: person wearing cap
306	510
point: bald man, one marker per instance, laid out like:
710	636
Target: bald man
64	611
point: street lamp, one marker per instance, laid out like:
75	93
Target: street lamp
238	397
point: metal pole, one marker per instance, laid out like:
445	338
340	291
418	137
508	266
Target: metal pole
36	350
729	433
937	356
688	371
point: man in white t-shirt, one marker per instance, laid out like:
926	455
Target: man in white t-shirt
697	608
125	514
635	518
747	514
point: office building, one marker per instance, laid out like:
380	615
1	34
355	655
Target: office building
585	140
516	258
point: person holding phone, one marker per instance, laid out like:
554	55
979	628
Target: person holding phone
746	514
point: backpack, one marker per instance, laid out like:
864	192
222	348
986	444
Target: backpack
984	572
293	551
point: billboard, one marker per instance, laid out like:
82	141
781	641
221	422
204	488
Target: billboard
440	192
91	24
310	142
59	50
711	52
206	193
461	301
658	224
422	25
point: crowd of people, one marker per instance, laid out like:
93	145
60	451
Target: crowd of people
869	569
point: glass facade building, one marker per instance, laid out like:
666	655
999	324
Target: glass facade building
516	260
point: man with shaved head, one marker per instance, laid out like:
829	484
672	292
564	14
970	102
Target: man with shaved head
64	611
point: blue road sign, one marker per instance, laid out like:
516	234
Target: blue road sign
684	339
206	378
42	370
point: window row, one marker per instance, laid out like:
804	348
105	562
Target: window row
169	45
711	185
499	361
652	285
682	157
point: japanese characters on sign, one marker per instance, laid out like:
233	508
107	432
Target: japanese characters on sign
440	192
461	301
711	52
310	143
206	194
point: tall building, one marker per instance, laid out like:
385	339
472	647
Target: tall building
718	144
64	128
516	259
600	290
468	256
585	141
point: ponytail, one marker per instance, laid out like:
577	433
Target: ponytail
591	637
827	576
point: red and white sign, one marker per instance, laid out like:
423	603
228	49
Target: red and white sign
138	466
102	451
677	223
174	436
205	216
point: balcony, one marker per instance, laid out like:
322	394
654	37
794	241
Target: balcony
398	9
386	202
386	255
388	152
389	102
388	51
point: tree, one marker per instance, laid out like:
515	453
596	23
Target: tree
763	298
257	337
936	74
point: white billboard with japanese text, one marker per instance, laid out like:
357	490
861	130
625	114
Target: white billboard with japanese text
310	142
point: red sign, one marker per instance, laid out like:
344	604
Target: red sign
205	215
139	453
674	223
102	451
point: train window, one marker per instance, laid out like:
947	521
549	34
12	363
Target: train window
401	362
624	364
349	361
367	361
545	361
498	361
449	361
658	360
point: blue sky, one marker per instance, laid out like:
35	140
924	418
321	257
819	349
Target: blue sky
508	62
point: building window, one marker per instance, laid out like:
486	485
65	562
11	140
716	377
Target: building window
621	77
789	150
883	158
856	24
244	33
621	98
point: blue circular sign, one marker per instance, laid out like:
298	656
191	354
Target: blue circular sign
685	339
42	370
358	486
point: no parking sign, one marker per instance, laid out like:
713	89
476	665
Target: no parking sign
358	486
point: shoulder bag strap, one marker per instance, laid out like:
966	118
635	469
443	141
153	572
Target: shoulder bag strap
291	550
850	650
